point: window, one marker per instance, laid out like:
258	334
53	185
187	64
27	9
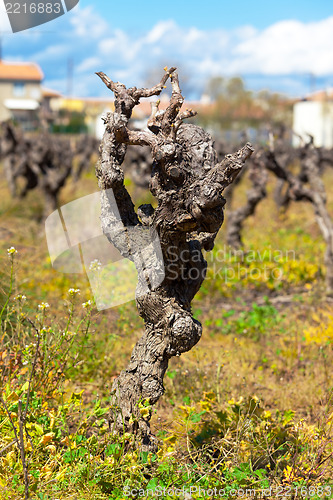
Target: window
19	89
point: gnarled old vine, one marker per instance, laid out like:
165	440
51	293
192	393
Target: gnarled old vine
307	185
187	181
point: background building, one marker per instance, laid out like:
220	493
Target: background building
314	116
20	93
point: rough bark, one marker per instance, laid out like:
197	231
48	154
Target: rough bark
14	151
84	150
311	165
258	177
305	185
187	181
308	186
42	161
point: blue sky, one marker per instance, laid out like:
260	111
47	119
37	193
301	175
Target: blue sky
211	14
274	45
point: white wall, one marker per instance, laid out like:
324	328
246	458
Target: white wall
315	118
100	125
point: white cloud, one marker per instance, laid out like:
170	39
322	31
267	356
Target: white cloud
120	46
89	64
287	47
87	23
160	30
51	53
284	48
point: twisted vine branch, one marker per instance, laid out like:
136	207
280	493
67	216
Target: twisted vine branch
187	181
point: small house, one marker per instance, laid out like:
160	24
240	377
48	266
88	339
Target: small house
314	117
20	93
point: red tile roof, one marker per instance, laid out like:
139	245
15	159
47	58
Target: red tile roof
319	95
50	93
20	71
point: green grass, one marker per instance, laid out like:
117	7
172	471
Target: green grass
249	407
